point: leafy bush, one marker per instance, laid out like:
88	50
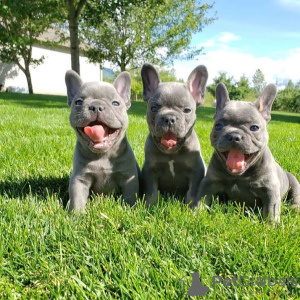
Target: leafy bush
237	90
166	75
289	98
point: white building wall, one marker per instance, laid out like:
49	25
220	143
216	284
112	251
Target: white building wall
49	77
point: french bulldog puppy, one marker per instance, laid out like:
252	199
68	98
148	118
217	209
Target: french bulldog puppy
173	162
242	167
103	161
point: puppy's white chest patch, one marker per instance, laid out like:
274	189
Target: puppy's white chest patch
171	166
235	188
235	191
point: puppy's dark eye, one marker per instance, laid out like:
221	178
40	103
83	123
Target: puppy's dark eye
254	128
115	103
154	109
78	102
218	127
187	110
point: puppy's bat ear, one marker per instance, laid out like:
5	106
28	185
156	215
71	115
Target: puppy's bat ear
73	83
123	86
196	83
222	97
265	100
150	80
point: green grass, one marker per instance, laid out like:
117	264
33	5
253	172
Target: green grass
117	252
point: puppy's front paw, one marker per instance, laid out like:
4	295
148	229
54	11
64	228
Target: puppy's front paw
198	205
296	207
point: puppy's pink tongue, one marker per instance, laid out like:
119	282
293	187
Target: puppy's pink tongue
96	133
235	160
169	140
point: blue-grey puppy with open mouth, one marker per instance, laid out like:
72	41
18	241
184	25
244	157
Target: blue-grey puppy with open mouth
242	167
173	161
103	161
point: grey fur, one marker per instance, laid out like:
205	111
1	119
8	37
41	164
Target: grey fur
178	170
111	168
262	182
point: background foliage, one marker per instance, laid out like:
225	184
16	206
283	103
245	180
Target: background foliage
123	32
135	32
288	99
21	23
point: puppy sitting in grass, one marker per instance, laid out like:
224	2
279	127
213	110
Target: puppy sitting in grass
103	161
173	161
242	167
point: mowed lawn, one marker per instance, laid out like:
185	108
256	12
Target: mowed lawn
118	252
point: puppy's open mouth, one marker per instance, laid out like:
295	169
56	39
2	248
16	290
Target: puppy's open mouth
169	141
237	162
99	135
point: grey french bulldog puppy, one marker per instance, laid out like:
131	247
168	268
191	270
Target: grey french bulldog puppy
103	161
173	162
242	167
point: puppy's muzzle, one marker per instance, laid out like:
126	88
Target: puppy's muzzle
168	120
234	137
97	107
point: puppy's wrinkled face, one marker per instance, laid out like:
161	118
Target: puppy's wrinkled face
172	106
99	110
171	115
238	135
99	116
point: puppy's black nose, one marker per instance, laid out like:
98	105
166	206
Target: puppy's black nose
169	120
96	107
234	137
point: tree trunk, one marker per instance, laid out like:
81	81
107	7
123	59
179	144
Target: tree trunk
122	66
122	60
74	43
73	16
27	74
25	69
29	81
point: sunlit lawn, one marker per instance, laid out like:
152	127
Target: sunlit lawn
117	252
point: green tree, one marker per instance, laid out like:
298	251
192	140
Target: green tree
135	32
71	13
239	90
22	22
136	84
222	78
242	88
74	9
165	74
258	80
288	99
297	97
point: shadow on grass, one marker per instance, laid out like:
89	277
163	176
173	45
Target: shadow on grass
35	101
41	187
285	117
